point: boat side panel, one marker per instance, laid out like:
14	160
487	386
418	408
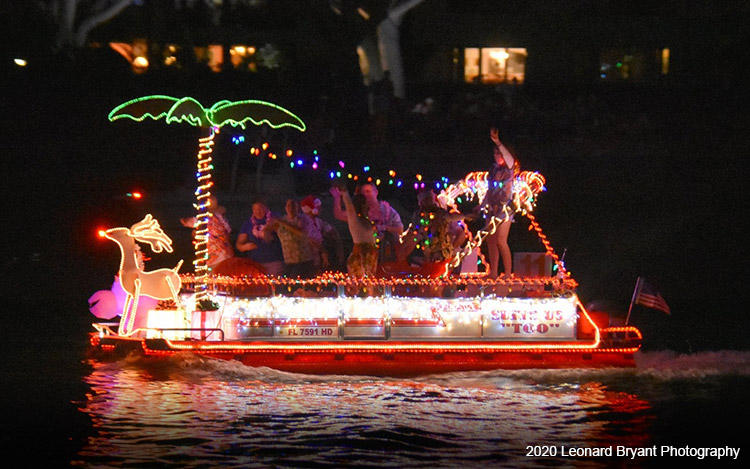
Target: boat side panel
415	364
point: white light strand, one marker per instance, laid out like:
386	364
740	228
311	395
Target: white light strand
202	195
526	186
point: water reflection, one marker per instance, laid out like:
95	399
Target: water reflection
191	412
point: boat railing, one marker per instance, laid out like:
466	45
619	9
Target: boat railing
620	336
110	329
204	331
341	285
106	328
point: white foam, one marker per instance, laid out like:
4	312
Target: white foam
668	364
662	365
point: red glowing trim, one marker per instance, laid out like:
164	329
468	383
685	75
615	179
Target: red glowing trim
373	322
416	322
304	349
626	329
585	315
385	348
547	245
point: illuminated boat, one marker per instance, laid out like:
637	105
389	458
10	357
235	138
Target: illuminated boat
393	327
404	322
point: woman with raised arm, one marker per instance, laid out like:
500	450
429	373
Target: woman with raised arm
363	260
496	206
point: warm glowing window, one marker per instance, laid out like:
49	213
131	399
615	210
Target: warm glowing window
136	53
495	65
169	55
212	56
664	61
243	57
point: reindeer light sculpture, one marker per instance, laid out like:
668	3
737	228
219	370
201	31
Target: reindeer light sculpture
161	284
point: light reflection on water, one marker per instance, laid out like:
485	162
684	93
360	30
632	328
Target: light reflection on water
191	412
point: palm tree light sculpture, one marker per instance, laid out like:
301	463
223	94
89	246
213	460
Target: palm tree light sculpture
235	113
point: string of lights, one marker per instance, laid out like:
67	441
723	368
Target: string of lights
202	207
333	279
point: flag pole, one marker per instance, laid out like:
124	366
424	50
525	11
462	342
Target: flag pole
632	300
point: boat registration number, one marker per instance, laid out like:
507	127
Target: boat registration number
307	331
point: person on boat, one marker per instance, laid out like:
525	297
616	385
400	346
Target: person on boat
259	241
435	232
329	253
296	233
496	206
219	241
387	222
363	261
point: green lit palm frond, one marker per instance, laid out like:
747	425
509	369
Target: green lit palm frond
157	106
138	109
237	113
191	111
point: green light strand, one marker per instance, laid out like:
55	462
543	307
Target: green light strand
188	110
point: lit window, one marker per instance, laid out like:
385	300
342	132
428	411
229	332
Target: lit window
495	65
242	56
471	65
212	56
136	53
169	55
664	61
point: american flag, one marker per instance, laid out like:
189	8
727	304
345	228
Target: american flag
646	295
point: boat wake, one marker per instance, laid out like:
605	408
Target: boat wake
668	364
192	366
662	365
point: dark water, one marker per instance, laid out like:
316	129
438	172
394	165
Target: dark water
187	411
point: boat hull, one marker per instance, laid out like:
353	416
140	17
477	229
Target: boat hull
383	327
397	359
